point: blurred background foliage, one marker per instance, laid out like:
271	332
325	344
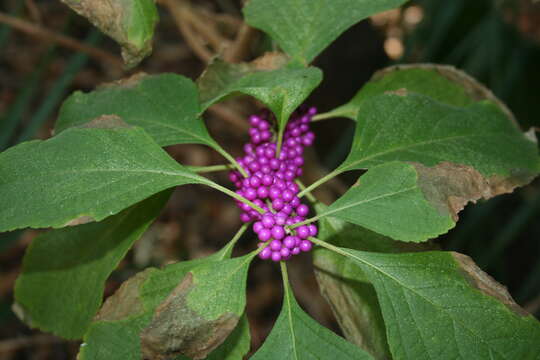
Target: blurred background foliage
46	52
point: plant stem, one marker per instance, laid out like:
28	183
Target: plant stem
321	181
309	195
235	238
279	142
228	156
307	221
211	168
330	247
236	196
284	276
339	112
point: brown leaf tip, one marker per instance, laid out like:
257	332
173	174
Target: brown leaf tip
486	284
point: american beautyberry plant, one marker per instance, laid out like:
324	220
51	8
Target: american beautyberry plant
429	139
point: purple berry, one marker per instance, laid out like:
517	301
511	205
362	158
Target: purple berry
265	254
306	245
302	232
302	210
268	221
289	242
276	256
277	204
312	230
278	232
265	235
257	226
275	245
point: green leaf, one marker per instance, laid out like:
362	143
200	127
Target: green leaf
201	311
165	105
64	271
130	23
412	127
389	199
297	336
115	332
282	90
343	284
304	28
445	84
438	303
93	171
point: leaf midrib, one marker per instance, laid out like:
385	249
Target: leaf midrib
381	271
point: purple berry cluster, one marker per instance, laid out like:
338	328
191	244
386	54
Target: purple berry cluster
271	185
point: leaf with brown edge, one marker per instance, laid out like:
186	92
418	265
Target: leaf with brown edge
200	313
130	23
177	330
115	333
437	303
449	187
486	284
345	287
443	83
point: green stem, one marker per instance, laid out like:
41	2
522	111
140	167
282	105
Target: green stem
336	113
228	156
309	195
211	168
279	142
329	246
321	181
233	241
307	221
236	196
284	276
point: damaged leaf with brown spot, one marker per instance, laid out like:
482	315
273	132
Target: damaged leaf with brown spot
117	331
129	22
389	200
75	262
437	303
200	313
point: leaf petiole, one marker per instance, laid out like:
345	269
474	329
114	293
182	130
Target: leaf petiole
235	196
211	168
321	181
229	157
232	242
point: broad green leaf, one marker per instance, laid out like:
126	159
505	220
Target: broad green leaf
200	312
441	305
93	171
281	89
343	284
304	28
445	84
390	200
63	277
416	128
297	336
115	332
165	105
129	23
